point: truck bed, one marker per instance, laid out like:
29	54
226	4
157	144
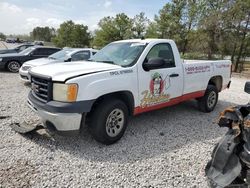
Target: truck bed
198	72
191	61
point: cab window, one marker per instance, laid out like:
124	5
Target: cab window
163	51
83	55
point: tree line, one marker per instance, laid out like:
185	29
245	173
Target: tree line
202	29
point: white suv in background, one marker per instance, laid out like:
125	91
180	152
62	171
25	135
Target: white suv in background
65	55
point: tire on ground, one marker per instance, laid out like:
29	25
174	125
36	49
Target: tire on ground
13	66
108	121
208	102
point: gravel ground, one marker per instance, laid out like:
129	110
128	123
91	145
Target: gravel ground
164	148
3	45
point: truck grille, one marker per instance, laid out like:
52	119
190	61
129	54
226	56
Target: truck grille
41	89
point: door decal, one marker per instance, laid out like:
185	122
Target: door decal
157	91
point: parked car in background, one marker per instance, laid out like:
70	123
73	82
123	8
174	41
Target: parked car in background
41	43
14	61
16	49
10	40
65	55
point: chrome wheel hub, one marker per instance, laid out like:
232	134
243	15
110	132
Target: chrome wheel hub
14	66
115	122
211	99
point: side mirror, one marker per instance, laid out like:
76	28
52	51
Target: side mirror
31	54
153	64
247	87
67	58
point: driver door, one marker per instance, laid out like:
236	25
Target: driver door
160	85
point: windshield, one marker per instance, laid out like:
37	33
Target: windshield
120	53
27	51
61	54
17	47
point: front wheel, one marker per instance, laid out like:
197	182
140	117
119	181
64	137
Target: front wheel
13	66
208	102
108	121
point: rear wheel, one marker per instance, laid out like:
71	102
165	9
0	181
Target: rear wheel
208	102
108	121
13	66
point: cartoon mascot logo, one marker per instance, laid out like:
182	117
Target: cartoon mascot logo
156	93
156	84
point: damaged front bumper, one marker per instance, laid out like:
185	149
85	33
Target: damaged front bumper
59	117
62	123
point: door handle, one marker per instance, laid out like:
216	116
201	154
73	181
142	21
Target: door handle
174	75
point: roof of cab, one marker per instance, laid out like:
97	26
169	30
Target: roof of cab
37	46
148	40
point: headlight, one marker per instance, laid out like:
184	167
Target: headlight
65	92
1	59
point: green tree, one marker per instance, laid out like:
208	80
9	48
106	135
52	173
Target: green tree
2	36
170	23
190	16
240	26
152	31
112	29
211	24
43	33
140	23
72	35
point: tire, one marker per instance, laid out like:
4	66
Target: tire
208	102
108	121
13	66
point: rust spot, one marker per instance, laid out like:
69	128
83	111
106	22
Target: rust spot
247	123
236	128
222	114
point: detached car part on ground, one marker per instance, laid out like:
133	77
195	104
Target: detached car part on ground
124	78
230	164
13	61
65	55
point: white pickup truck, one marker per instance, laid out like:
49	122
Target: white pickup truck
124	78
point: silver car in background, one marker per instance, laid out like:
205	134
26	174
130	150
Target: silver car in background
65	55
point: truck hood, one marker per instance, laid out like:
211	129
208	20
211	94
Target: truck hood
39	62
63	71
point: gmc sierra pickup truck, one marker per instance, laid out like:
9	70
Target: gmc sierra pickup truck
124	78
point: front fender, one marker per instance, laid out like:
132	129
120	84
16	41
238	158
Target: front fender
98	84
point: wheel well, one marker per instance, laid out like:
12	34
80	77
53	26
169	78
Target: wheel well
216	81
125	96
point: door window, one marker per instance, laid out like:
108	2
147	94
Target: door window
21	48
52	51
163	51
40	52
83	55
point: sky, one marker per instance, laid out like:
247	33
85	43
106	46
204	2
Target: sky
21	16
